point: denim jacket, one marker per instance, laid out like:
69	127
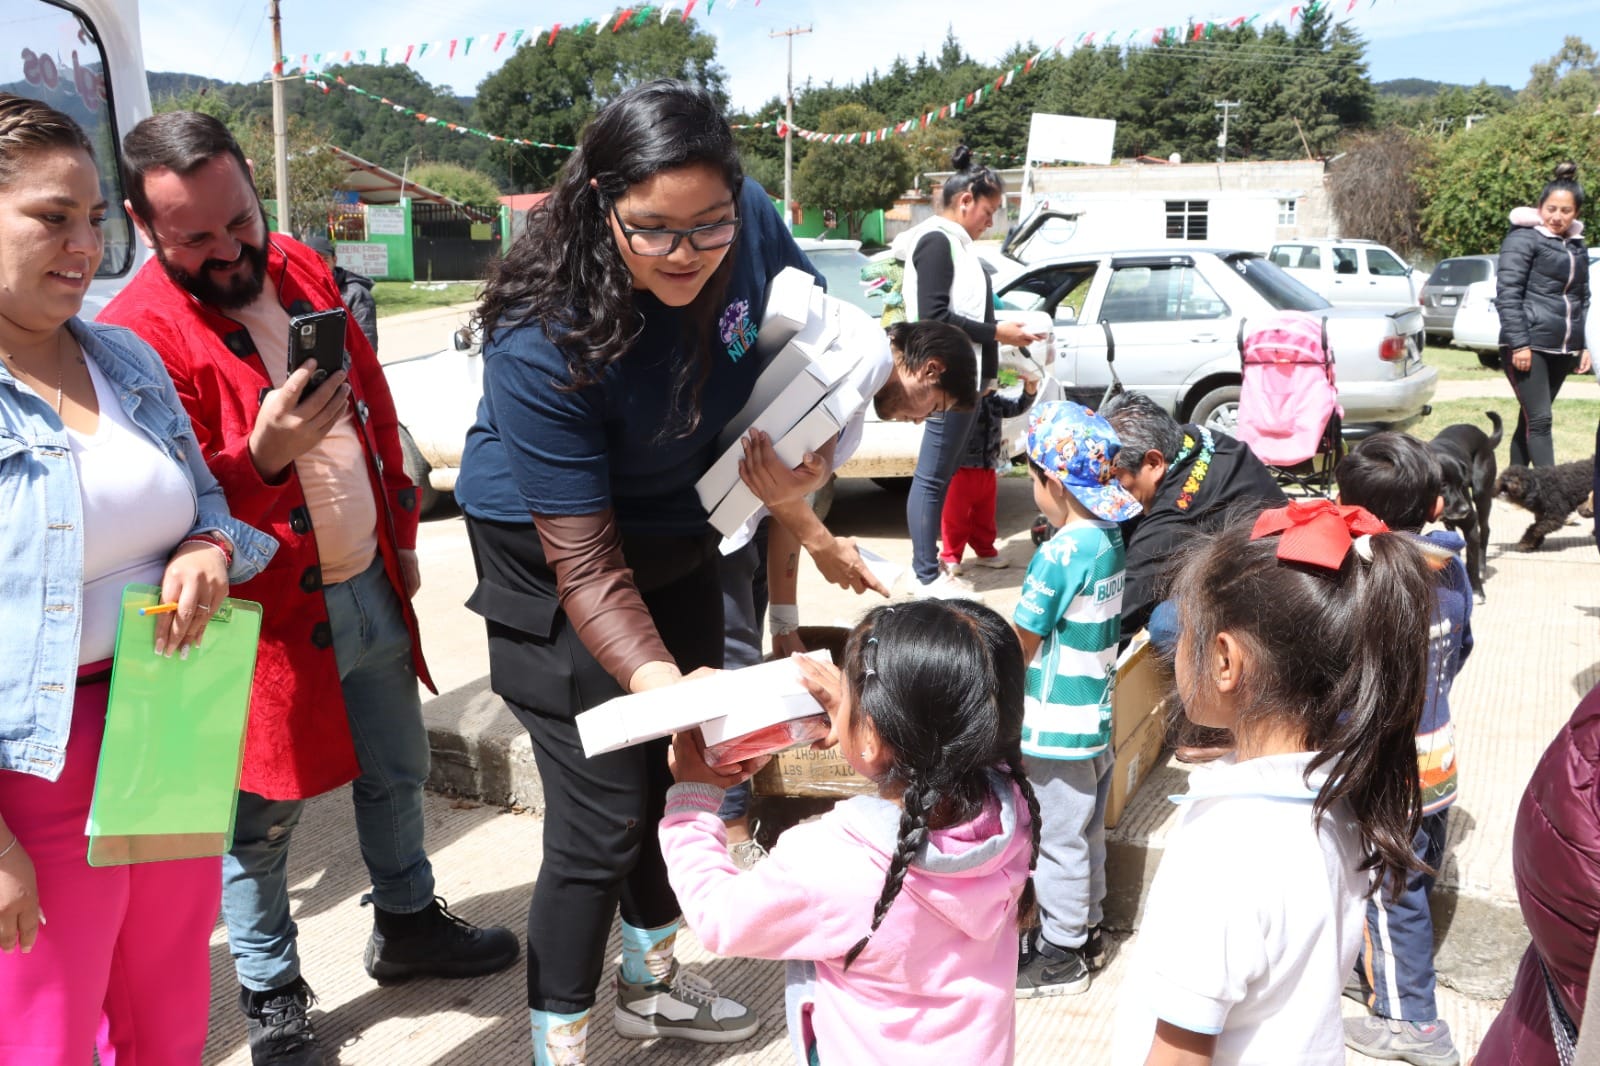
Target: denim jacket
41	539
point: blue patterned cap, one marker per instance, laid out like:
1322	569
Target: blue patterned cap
1076	446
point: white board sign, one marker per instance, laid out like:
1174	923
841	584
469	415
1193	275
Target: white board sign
1070	139
386	221
369	259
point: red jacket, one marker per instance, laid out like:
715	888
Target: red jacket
1555	855
298	741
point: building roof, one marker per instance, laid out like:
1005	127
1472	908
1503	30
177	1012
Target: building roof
376	185
524	201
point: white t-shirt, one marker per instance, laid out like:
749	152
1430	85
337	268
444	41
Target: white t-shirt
1253	922
137	506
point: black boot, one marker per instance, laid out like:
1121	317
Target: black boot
280	1032
435	943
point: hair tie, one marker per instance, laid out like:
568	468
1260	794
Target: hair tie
871	670
1319	532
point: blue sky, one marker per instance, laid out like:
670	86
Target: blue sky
1446	40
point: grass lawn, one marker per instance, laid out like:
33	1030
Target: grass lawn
1458	364
1574	423
396	297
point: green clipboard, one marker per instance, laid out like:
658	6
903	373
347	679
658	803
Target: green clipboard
168	782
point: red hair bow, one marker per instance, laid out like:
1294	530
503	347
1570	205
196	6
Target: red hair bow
1318	532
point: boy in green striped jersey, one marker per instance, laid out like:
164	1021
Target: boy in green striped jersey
1069	619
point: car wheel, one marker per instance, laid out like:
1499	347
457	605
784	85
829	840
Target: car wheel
1491	360
1218	410
417	469
893	484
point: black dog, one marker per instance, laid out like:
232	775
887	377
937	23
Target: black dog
1550	492
1466	459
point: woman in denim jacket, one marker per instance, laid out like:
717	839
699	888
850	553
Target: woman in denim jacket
102	484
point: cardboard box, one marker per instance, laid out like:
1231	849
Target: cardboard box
755	696
1142	681
813	431
788	306
1135	759
807	772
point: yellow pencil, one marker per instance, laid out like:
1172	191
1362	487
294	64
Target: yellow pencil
160	608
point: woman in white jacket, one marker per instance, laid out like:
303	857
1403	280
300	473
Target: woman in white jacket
945	280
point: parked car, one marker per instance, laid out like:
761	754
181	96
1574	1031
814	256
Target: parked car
1442	292
1349	273
1477	322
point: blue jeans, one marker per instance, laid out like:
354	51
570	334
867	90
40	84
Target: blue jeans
944	439
373	649
1398	951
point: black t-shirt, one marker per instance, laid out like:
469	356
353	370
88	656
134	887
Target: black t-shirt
1203	489
538	448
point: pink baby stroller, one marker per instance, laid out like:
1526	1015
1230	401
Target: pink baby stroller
1288	405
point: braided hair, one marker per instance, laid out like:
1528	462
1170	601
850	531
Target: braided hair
942	682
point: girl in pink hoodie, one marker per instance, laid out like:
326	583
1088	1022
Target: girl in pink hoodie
899	912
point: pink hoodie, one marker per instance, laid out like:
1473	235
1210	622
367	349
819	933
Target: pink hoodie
935	984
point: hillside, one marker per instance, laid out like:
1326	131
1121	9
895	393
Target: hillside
1422	88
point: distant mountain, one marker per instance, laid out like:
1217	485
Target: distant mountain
1414	88
166	84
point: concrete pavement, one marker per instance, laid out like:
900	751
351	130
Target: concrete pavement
1536	655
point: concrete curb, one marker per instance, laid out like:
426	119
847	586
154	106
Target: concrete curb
480	751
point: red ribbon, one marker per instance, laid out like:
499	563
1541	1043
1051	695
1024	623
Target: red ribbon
1318	532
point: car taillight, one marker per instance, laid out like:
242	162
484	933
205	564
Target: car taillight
1392	349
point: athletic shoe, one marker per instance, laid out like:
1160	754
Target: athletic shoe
1052	971
944	587
1096	953
1421	1044
683	1006
746	853
279	1030
435	943
991	562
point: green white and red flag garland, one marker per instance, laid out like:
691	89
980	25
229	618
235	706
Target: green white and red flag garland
1191	31
610	20
327	86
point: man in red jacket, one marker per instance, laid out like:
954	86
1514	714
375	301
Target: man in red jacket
335	696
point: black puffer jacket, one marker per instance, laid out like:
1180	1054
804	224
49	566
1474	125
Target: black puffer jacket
1542	291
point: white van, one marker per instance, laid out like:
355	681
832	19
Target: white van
84	58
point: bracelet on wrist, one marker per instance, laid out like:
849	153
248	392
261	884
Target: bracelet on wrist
783	618
216	542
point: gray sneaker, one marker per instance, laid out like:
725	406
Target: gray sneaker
747	853
1048	970
684	1006
1419	1043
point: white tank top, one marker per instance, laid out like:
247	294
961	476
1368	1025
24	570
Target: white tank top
137	506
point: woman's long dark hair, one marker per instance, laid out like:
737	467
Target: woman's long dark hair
1341	653
983	182
942	681
565	274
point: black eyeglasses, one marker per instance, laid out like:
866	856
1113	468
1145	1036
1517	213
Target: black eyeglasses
705	238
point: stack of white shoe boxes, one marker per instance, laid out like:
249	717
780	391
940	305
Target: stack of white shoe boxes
801	399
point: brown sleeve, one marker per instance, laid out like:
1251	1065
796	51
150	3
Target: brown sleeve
595	588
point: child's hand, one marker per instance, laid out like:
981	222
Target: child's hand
824	681
687	761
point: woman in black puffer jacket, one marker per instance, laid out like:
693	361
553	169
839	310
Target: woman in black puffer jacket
1542	298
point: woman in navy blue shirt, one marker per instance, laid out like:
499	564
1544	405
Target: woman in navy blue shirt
619	337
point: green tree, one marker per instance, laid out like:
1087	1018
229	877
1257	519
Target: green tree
1503	162
547	92
314	172
854	179
1570	79
457	182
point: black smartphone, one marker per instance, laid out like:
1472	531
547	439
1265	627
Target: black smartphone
319	336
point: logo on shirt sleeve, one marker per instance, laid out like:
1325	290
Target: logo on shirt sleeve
738	331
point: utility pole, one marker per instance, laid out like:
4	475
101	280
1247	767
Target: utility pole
788	126
280	127
1226	107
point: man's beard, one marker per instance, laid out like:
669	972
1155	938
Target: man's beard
239	291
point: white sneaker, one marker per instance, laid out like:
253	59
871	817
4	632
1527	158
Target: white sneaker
683	1006
992	562
944	587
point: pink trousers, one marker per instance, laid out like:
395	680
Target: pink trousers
123	962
